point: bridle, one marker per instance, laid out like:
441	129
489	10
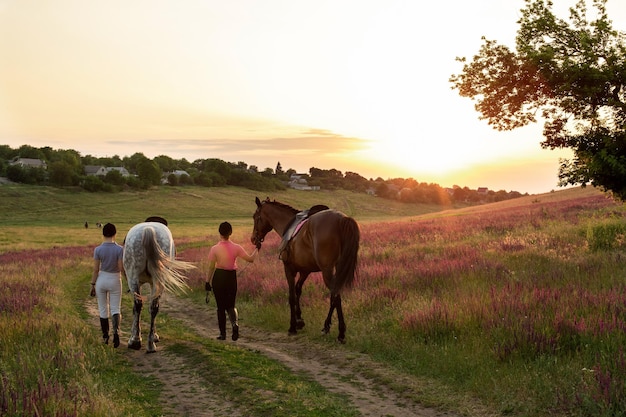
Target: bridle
259	235
258	240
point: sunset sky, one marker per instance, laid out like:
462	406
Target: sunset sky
354	85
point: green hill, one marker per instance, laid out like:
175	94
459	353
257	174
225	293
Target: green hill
57	215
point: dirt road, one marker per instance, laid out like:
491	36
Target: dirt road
348	373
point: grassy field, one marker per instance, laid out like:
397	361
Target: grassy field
40	217
519	305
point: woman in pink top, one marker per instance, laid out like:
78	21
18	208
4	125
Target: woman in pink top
222	278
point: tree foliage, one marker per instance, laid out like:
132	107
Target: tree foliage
26	175
114	177
62	173
149	172
571	74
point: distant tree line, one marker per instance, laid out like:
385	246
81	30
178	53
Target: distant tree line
66	168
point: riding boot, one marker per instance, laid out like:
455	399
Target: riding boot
104	324
221	322
234	321
116	330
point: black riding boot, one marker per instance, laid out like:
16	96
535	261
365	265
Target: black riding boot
234	321
116	330
221	322
104	324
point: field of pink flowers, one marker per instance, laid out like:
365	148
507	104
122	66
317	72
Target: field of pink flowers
38	381
522	306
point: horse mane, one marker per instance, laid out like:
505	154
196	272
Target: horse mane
314	209
283	205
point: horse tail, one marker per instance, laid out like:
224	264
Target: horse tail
346	268
163	268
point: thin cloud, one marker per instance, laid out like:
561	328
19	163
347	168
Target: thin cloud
313	142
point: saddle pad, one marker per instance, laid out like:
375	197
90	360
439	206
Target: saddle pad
297	228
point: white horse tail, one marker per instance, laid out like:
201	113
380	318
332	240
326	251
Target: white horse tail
163	268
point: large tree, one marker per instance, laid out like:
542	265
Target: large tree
571	74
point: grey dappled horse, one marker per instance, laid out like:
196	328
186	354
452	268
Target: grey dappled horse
149	258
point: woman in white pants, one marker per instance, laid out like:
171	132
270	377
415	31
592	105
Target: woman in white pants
106	282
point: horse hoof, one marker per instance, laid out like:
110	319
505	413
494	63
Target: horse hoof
325	330
300	325
292	332
341	340
134	345
151	351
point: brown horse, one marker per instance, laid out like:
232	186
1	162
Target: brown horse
327	241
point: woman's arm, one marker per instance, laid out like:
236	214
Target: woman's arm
94	276
120	265
209	278
96	270
244	255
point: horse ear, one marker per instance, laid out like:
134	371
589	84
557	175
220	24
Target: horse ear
258	202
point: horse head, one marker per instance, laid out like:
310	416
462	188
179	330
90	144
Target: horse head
262	225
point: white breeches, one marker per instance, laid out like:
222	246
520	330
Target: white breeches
109	291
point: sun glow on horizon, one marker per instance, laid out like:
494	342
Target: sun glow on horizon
356	85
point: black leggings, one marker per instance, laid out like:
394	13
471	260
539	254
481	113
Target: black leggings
225	288
225	291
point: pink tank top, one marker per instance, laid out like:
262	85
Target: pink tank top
225	255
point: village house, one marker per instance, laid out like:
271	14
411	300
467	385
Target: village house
29	162
97	170
298	182
121	170
177	173
101	171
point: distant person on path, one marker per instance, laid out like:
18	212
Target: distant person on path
106	282
222	278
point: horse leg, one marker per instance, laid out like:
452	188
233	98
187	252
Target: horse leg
328	276
299	284
152	336
134	342
329	317
342	324
291	275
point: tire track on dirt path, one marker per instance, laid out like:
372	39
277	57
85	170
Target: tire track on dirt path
339	371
